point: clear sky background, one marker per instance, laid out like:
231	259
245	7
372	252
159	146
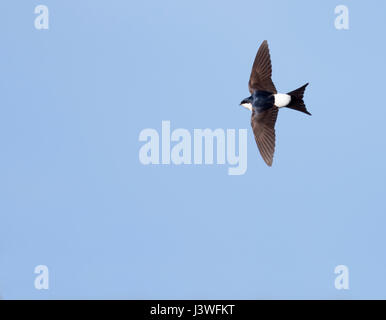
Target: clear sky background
74	196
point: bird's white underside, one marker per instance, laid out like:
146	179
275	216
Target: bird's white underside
281	100
247	106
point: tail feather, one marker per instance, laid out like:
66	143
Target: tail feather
297	102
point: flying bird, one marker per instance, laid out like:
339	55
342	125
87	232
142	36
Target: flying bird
265	102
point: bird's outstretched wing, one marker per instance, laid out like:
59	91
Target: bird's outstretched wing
263	126
260	78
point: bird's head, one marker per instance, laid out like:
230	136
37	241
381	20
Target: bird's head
247	103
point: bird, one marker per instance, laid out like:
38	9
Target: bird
265	102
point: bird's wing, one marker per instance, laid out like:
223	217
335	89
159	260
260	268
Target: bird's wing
263	126
260	78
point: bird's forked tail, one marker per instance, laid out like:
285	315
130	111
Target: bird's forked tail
297	102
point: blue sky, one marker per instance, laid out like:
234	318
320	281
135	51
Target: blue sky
74	196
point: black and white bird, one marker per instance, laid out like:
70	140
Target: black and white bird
265	102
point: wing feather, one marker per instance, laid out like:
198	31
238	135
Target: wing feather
261	73
263	126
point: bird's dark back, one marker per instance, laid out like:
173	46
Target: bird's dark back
262	100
